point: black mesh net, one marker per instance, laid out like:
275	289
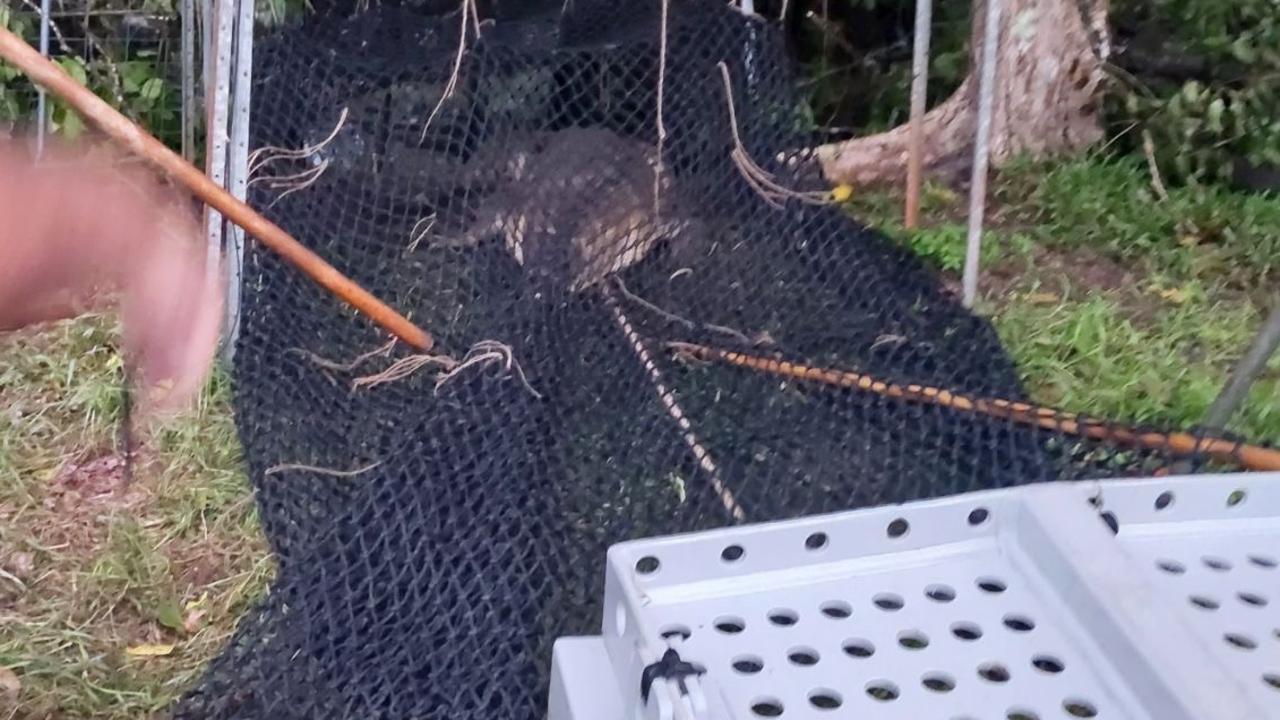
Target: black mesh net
439	520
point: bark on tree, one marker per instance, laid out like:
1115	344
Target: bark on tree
1049	70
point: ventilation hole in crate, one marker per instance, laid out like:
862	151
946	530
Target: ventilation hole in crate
1272	679
940	593
1253	599
966	630
1164	500
993	672
898	528
913	640
1244	642
1264	561
1020	714
888	601
859	648
730	625
977	516
675	630
882	690
825	699
1019	623
783	617
733	553
1204	602
767	707
992	585
1236	497
1216	563
1079	708
837	609
803	656
748	664
938	682
1048	664
647	565
816	541
1171	566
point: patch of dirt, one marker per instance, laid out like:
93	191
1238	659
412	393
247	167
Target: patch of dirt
81	500
198	565
1050	275
102	482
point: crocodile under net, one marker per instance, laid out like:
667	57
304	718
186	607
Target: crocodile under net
440	520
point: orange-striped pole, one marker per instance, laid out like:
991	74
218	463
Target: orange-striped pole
1253	457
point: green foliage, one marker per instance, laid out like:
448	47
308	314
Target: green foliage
136	83
1224	112
15	101
857	56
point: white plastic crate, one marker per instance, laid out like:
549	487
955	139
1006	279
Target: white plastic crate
1018	604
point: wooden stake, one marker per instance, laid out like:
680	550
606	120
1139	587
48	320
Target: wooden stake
138	141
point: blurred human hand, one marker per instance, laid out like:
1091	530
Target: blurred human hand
79	233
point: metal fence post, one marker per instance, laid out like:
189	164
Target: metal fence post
919	100
237	167
1245	372
188	21
981	152
42	110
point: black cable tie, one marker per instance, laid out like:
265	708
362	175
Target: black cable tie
669	667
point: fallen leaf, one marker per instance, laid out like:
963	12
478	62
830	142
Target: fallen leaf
1043	298
10	686
842	193
21	564
192	622
169	613
1174	295
149	650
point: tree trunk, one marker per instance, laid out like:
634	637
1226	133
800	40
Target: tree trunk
1049	69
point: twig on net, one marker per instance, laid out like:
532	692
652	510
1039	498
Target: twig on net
1252	457
622	287
270	153
669	403
467	11
403	368
687	323
418	233
347	366
761	180
287	467
487	351
301	184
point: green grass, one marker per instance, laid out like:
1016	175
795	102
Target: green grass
1114	301
93	568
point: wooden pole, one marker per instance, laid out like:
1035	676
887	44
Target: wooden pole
135	139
